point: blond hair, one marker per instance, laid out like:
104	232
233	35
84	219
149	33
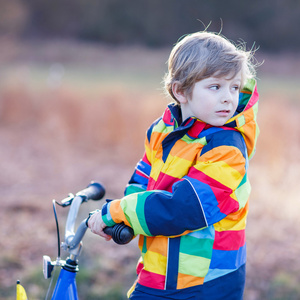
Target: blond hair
204	54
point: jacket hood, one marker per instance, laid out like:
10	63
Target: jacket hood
244	119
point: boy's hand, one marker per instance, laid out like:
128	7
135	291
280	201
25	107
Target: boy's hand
97	225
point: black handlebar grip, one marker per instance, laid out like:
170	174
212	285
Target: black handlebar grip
121	233
94	191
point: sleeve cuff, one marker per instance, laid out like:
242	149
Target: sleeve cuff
106	216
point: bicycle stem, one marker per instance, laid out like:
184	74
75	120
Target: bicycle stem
72	215
73	242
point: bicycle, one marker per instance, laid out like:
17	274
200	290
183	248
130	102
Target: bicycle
66	288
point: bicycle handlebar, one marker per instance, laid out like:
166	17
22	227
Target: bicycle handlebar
95	191
120	233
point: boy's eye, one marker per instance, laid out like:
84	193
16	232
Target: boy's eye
214	87
236	88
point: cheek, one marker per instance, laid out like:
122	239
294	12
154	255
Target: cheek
236	102
208	106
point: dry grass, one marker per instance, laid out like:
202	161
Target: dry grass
62	127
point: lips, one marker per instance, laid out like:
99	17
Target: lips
224	112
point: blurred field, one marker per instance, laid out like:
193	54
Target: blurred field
71	113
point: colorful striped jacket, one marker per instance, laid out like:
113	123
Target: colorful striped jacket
188	197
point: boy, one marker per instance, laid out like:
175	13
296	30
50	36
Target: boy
188	196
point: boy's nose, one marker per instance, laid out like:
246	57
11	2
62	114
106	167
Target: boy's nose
226	97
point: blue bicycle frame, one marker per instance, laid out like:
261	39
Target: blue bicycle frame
66	286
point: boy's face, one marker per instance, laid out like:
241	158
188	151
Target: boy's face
214	100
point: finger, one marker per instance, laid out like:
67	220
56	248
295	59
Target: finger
94	219
108	238
91	221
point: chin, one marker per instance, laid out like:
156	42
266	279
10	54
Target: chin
217	124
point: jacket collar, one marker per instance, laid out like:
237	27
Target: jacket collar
192	126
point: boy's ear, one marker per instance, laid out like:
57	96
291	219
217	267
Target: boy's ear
179	93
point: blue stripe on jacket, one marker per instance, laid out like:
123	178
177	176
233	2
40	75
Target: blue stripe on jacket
172	265
225	138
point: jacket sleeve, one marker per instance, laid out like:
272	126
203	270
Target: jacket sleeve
203	197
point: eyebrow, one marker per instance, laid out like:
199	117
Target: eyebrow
209	79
